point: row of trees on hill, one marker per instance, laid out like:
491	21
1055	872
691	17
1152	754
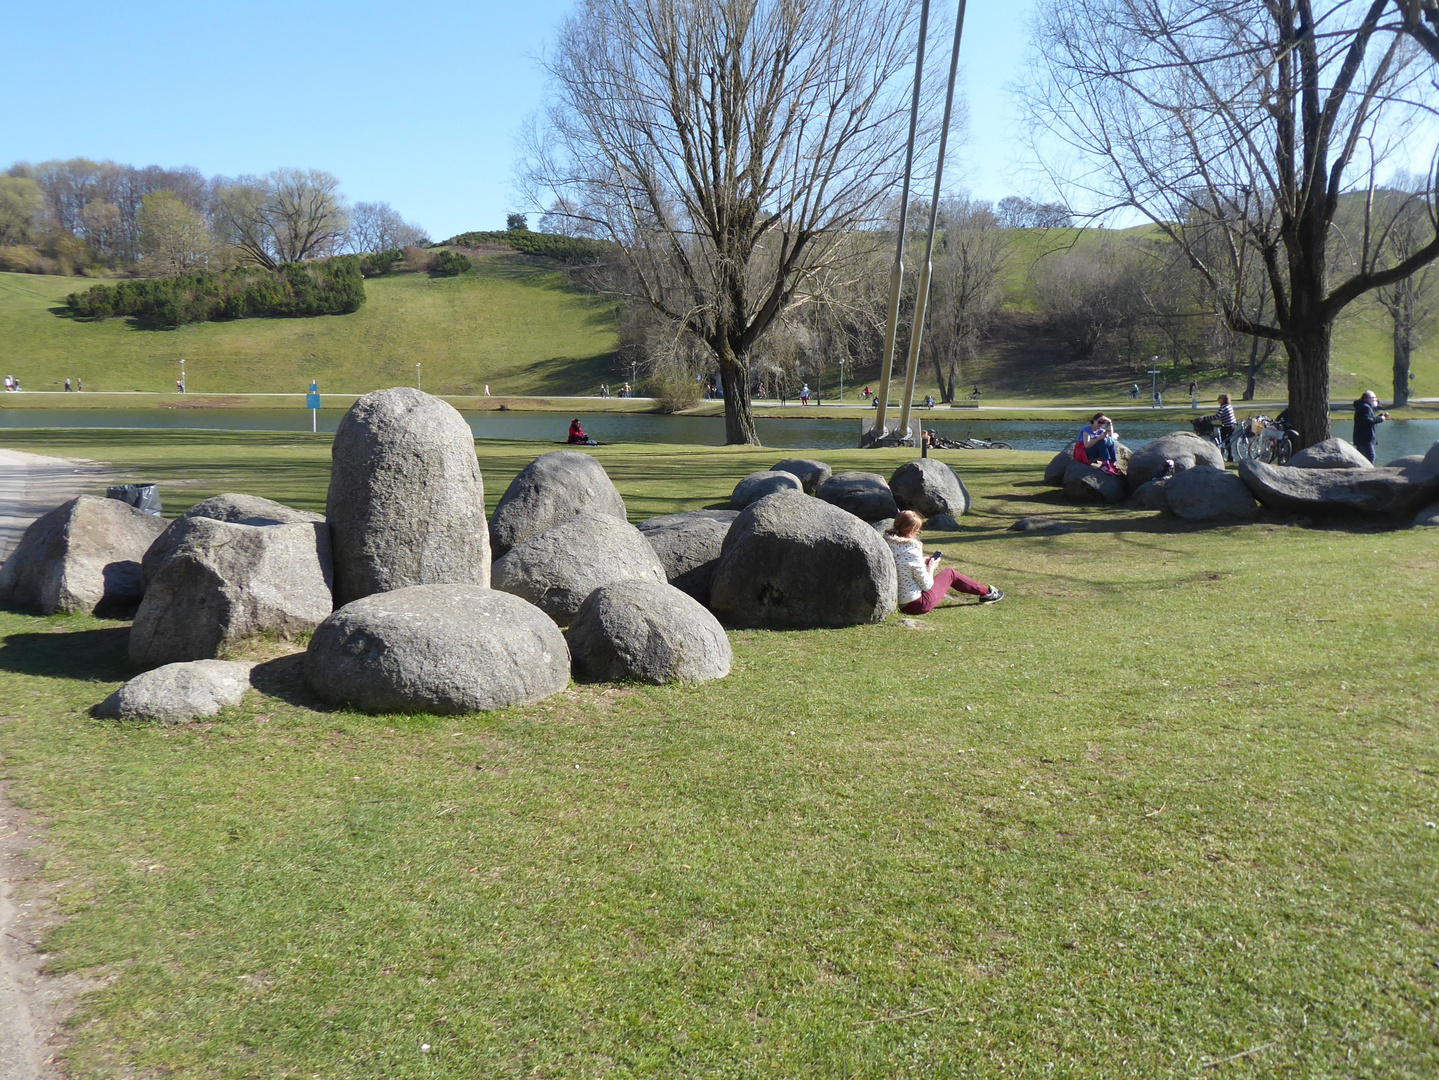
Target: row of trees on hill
70	216
738	152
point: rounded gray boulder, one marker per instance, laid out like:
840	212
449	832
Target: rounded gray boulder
930	488
863	494
232	508
551	489
558	569
83	556
406	504
1330	454
792	561
179	692
1150	496
437	648
1204	493
646	631
757	485
811	473
688	547
1057	467
1089	483
1184	448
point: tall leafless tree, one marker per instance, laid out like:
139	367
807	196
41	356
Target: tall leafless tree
285	217
969	257
1237	122
728	147
378	226
1410	302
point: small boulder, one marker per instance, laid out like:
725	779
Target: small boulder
1185	448
811	473
1041	526
224	582
406	504
1089	483
941	523
250	510
647	631
1204	493
1150	496
1330	454
1428	518
558	569
176	693
1058	466
437	648
757	485
83	556
882	526
1338	491
863	494
792	561
930	488
551	489
688	546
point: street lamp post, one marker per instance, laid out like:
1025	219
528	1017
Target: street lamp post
417	375
1153	374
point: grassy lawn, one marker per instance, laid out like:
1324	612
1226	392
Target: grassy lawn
1163	812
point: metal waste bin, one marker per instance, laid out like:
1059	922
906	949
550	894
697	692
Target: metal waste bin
143	497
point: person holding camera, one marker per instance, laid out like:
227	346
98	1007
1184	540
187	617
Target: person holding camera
1097	442
1366	419
922	585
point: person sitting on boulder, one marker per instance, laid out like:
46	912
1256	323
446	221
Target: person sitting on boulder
577	434
1366	420
1098	444
920	587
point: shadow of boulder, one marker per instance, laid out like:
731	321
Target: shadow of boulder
90	655
284	678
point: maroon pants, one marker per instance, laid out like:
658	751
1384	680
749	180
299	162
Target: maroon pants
943	582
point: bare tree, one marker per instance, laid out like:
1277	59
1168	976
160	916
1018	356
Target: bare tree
289	215
1412	301
1235	123
969	258
1421	22
728	148
377	226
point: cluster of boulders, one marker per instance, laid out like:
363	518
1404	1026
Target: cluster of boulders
413	601
1185	475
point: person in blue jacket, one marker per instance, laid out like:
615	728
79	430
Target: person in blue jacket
1366	419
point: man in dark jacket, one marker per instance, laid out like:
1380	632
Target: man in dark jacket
1366	419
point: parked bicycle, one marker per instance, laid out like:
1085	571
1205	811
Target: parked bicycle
1261	439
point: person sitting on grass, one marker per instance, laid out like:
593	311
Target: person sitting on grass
921	588
577	434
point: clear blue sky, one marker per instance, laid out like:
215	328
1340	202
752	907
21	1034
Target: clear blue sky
417	104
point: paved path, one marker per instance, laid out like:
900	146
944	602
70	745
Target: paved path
31	485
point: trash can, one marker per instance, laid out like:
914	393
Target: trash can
143	497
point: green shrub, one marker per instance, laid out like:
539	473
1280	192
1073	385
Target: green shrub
449	264
380	263
323	287
571	250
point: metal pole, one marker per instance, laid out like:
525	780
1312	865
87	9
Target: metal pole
916	332
896	273
417	376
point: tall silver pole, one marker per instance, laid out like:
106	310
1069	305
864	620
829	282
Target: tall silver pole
896	273
916	333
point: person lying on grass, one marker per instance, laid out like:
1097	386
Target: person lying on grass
920	587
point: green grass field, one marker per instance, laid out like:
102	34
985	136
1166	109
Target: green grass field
1165	811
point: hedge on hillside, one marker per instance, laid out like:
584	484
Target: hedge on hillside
323	287
565	249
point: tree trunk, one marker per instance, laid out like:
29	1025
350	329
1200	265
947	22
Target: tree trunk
1403	347
1309	384
1248	394
738	416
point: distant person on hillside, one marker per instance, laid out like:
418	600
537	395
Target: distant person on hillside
79	385
974	394
804	394
920	587
1134	392
1367	419
487	389
866	392
8	381
1193	394
179	386
67	386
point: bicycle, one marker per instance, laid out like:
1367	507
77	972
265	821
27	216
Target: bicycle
1261	439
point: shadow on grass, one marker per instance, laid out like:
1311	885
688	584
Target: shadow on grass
284	678
89	655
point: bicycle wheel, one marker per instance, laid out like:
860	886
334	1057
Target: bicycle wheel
1282	450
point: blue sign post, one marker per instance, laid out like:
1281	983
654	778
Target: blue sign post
312	402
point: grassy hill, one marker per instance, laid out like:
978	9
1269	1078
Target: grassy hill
508	322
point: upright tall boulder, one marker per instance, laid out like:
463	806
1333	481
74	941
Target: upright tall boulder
551	489
930	488
796	562
406	504
83	556
224	582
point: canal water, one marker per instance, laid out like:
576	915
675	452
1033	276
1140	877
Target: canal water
1396	438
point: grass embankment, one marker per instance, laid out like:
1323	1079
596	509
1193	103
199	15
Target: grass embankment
1165	806
513	324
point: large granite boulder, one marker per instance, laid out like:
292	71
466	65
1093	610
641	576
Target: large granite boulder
863	494
224	582
1089	483
757	485
811	473
237	509
688	546
1330	454
437	648
83	556
1339	491
558	569
1419	467
1185	448
551	489
646	631
1058	466
1151	496
179	692
792	561
930	488
1428	518
406	504
1205	493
